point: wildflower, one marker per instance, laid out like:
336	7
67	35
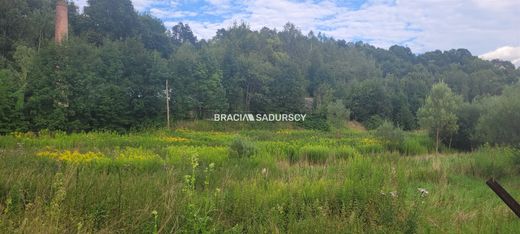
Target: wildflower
423	192
175	139
264	172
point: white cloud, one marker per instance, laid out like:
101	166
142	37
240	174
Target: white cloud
496	4
478	25
162	13
507	53
80	4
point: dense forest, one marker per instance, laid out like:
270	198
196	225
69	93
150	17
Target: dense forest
110	75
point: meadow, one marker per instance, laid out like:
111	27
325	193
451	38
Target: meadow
205	178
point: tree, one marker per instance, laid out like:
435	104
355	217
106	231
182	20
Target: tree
116	19
181	33
439	112
500	120
286	89
468	116
337	114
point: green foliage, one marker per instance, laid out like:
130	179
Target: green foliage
328	185
368	98
389	135
315	122
496	162
344	152
242	148
110	74
373	122
439	112
500	120
466	137
413	146
337	114
116	19
205	154
315	154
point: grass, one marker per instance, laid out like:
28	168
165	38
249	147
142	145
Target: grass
218	179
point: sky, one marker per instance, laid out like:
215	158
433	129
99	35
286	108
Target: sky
488	28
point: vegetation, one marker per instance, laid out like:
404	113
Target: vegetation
438	114
110	74
295	181
81	151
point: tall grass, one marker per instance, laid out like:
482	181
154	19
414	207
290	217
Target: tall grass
294	181
315	154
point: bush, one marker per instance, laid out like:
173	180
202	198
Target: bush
337	114
464	139
315	122
314	154
500	119
389	135
373	122
241	148
496	162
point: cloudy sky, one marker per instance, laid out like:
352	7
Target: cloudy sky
489	28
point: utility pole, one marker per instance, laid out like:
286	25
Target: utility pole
167	106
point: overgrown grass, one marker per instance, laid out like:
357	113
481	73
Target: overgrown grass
217	179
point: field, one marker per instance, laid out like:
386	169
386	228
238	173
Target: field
212	179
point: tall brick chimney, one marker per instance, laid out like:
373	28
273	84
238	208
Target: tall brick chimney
61	29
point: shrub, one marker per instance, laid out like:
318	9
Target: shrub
373	122
495	162
241	148
315	122
337	114
389	135
314	154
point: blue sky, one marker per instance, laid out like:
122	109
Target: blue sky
485	27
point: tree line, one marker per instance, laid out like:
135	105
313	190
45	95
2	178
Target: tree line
110	75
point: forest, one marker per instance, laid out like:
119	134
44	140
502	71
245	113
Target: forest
383	140
110	75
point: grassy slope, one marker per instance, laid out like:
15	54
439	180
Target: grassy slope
295	181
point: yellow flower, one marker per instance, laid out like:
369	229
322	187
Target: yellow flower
369	141
175	139
72	156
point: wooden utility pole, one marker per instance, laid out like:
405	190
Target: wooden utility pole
167	105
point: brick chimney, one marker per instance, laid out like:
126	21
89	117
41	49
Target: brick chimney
61	30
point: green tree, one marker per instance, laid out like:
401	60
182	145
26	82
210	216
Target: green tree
116	19
286	89
337	114
500	120
439	112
